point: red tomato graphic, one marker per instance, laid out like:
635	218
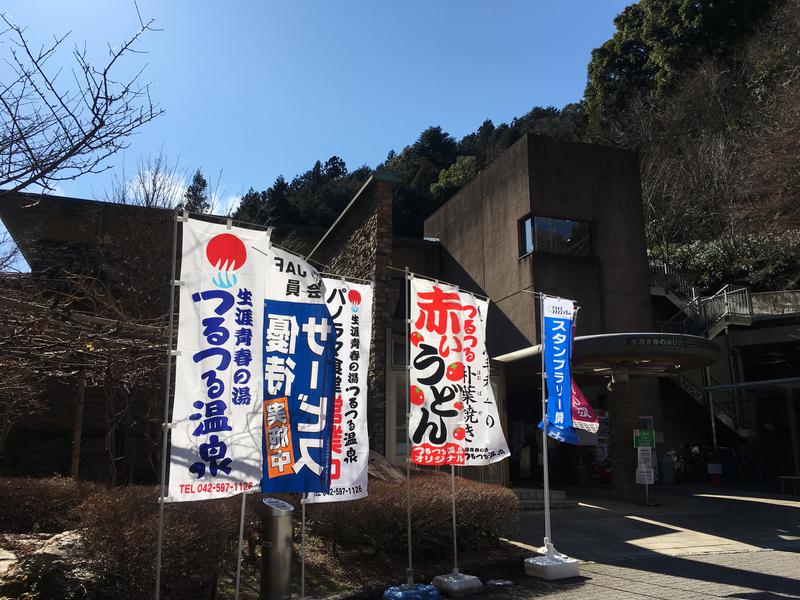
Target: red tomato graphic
455	372
416	338
417	397
354	297
458	405
459	433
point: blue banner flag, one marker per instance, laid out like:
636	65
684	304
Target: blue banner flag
558	314
299	382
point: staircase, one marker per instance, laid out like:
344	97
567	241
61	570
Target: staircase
707	316
533	499
736	411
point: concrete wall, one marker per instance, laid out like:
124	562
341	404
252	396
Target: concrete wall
784	302
601	186
478	233
477	230
359	245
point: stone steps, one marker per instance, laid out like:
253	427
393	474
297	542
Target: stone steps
533	499
539	504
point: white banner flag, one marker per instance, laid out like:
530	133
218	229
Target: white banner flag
216	442
484	442
453	414
350	306
436	423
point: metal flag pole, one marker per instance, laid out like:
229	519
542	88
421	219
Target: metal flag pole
303	547
239	551
548	542
453	500
455	535
165	423
410	569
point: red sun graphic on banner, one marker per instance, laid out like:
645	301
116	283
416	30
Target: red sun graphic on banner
226	252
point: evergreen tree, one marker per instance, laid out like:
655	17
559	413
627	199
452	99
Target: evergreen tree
253	208
454	177
195	199
656	43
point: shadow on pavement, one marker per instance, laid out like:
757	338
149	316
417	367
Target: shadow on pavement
689	522
686	568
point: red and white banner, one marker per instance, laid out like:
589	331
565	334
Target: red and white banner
350	306
453	417
484	442
216	442
583	415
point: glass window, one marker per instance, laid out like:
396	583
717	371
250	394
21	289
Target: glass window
525	236
559	236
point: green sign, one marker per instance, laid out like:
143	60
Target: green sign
644	438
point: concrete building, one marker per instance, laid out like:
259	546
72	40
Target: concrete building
564	219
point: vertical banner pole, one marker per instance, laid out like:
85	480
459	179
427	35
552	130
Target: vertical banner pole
165	423
239	551
547	539
455	535
410	569
303	548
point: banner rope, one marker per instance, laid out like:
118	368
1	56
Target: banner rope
418	276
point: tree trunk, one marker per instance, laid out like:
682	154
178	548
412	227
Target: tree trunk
111	441
77	428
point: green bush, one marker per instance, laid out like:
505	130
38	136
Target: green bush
761	261
377	523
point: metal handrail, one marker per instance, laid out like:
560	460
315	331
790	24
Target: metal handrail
667	278
729	300
725	403
701	313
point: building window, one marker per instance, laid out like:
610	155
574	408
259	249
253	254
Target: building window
558	236
525	236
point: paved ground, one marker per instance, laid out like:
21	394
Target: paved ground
756	575
698	543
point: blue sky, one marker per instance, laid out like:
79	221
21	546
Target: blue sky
258	89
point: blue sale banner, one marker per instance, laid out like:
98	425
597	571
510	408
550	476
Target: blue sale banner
558	314
299	385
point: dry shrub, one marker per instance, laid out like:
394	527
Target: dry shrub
377	523
120	527
39	505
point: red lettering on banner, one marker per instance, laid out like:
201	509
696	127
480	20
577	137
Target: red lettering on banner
447	454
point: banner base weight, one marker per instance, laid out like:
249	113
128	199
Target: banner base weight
457	584
418	591
555	566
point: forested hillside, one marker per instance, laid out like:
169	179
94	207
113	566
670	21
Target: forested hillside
706	91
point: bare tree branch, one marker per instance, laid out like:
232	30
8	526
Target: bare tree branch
50	131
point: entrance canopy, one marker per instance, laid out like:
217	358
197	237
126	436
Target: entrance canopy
632	353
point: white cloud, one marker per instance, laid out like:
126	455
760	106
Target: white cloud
224	205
